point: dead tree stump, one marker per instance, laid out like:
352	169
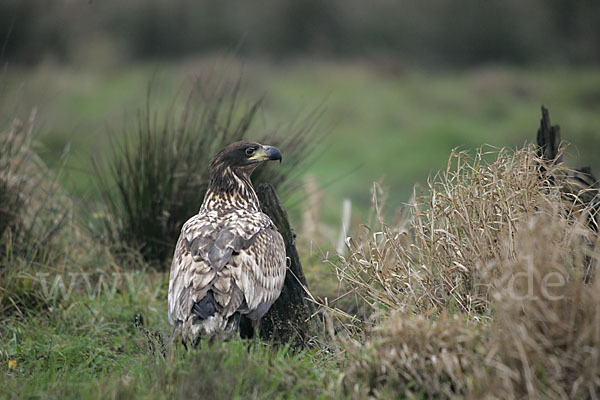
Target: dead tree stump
579	186
548	139
291	317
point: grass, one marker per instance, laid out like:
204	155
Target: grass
396	125
440	309
35	211
159	168
78	322
484	286
91	348
483	291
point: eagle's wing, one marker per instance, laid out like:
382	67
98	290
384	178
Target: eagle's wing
239	257
189	278
259	271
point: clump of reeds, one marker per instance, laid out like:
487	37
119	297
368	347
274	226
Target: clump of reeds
545	334
461	225
413	355
157	175
489	291
34	211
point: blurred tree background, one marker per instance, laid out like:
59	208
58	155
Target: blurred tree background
437	32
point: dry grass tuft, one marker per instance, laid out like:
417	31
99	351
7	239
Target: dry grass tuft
39	232
33	210
546	328
462	224
418	356
485	293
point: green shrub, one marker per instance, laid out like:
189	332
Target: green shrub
156	176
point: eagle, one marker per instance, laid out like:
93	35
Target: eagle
229	263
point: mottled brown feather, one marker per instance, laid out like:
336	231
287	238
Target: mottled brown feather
232	249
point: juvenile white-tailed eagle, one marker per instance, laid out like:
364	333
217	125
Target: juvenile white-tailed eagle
229	263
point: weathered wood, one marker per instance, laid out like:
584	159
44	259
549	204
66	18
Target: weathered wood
548	139
290	317
580	187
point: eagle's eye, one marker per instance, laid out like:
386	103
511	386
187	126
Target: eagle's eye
249	151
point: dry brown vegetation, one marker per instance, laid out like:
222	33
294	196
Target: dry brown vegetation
33	210
40	231
487	291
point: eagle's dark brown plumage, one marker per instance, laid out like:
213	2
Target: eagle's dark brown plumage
229	262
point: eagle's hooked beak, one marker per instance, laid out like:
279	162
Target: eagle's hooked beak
267	153
273	153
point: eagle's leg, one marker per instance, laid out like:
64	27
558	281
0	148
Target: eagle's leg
255	325
246	327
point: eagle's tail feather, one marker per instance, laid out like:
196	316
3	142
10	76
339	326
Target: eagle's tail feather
207	322
205	307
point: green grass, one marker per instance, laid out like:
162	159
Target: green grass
398	127
392	126
89	346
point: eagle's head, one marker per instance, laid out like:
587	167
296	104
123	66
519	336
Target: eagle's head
236	162
243	156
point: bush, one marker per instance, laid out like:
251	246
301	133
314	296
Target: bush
34	212
416	356
541	341
545	329
485	293
458	228
157	177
